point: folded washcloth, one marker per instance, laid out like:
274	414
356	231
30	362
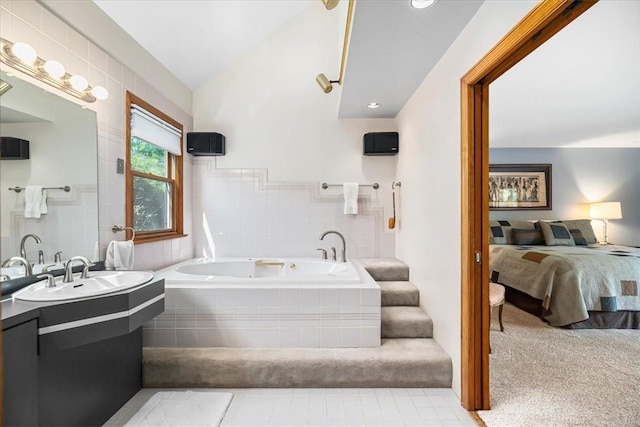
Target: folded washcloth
44	209
350	198
32	201
119	255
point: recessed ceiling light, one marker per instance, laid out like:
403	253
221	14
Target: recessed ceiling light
373	105
422	4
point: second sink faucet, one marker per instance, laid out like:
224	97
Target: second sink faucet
343	253
23	251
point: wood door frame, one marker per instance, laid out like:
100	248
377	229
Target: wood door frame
546	19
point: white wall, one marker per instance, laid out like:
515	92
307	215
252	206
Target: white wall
581	176
428	238
275	117
28	21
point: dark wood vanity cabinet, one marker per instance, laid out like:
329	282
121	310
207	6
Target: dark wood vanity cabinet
20	374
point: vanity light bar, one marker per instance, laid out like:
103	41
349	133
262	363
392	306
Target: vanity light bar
37	69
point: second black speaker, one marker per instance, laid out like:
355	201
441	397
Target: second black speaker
205	144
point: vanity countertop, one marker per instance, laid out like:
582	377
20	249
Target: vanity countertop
124	310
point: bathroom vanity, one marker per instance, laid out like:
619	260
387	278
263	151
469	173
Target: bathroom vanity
75	362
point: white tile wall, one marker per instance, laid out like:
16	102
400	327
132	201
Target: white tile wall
245	215
272	317
28	21
70	226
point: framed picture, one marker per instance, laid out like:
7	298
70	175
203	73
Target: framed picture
519	187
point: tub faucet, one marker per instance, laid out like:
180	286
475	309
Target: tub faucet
343	253
23	251
323	252
28	271
68	268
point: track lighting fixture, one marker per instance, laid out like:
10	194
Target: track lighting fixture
330	4
24	58
325	84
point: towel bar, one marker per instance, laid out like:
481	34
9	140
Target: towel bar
17	189
117	228
375	185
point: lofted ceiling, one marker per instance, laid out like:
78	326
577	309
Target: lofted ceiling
587	78
392	46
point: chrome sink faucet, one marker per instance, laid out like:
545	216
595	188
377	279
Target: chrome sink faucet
28	271
23	251
68	268
343	253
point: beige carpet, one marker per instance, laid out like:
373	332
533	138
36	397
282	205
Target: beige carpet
545	376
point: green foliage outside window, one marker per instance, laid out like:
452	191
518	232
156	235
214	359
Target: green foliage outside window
151	198
148	158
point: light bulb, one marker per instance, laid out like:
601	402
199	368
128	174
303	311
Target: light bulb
100	93
373	105
78	82
422	4
54	69
24	52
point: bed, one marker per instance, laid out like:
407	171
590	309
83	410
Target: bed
574	286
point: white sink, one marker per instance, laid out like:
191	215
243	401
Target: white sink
99	283
12	272
18	271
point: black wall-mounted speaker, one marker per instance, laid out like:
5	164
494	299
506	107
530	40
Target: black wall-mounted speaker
205	144
380	143
13	148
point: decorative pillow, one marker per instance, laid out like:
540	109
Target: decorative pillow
527	236
500	231
578	237
584	225
556	234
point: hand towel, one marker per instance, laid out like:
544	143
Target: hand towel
32	201
44	209
350	198
119	255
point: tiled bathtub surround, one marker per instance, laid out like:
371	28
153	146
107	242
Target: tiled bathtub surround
267	315
239	213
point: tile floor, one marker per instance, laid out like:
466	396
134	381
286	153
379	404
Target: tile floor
329	407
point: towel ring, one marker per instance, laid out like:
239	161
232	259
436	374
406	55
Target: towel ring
118	228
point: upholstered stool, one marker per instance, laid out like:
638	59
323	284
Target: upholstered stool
496	297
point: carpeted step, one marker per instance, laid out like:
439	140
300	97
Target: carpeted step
406	322
399	293
396	363
386	269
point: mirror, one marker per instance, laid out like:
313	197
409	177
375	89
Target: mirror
62	152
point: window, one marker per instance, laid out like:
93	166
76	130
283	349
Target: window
153	172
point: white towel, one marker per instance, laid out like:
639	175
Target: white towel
44	209
32	201
350	198
119	255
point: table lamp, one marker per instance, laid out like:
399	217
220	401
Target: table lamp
606	211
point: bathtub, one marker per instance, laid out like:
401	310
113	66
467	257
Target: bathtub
267	302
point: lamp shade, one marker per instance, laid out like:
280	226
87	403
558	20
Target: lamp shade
606	210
